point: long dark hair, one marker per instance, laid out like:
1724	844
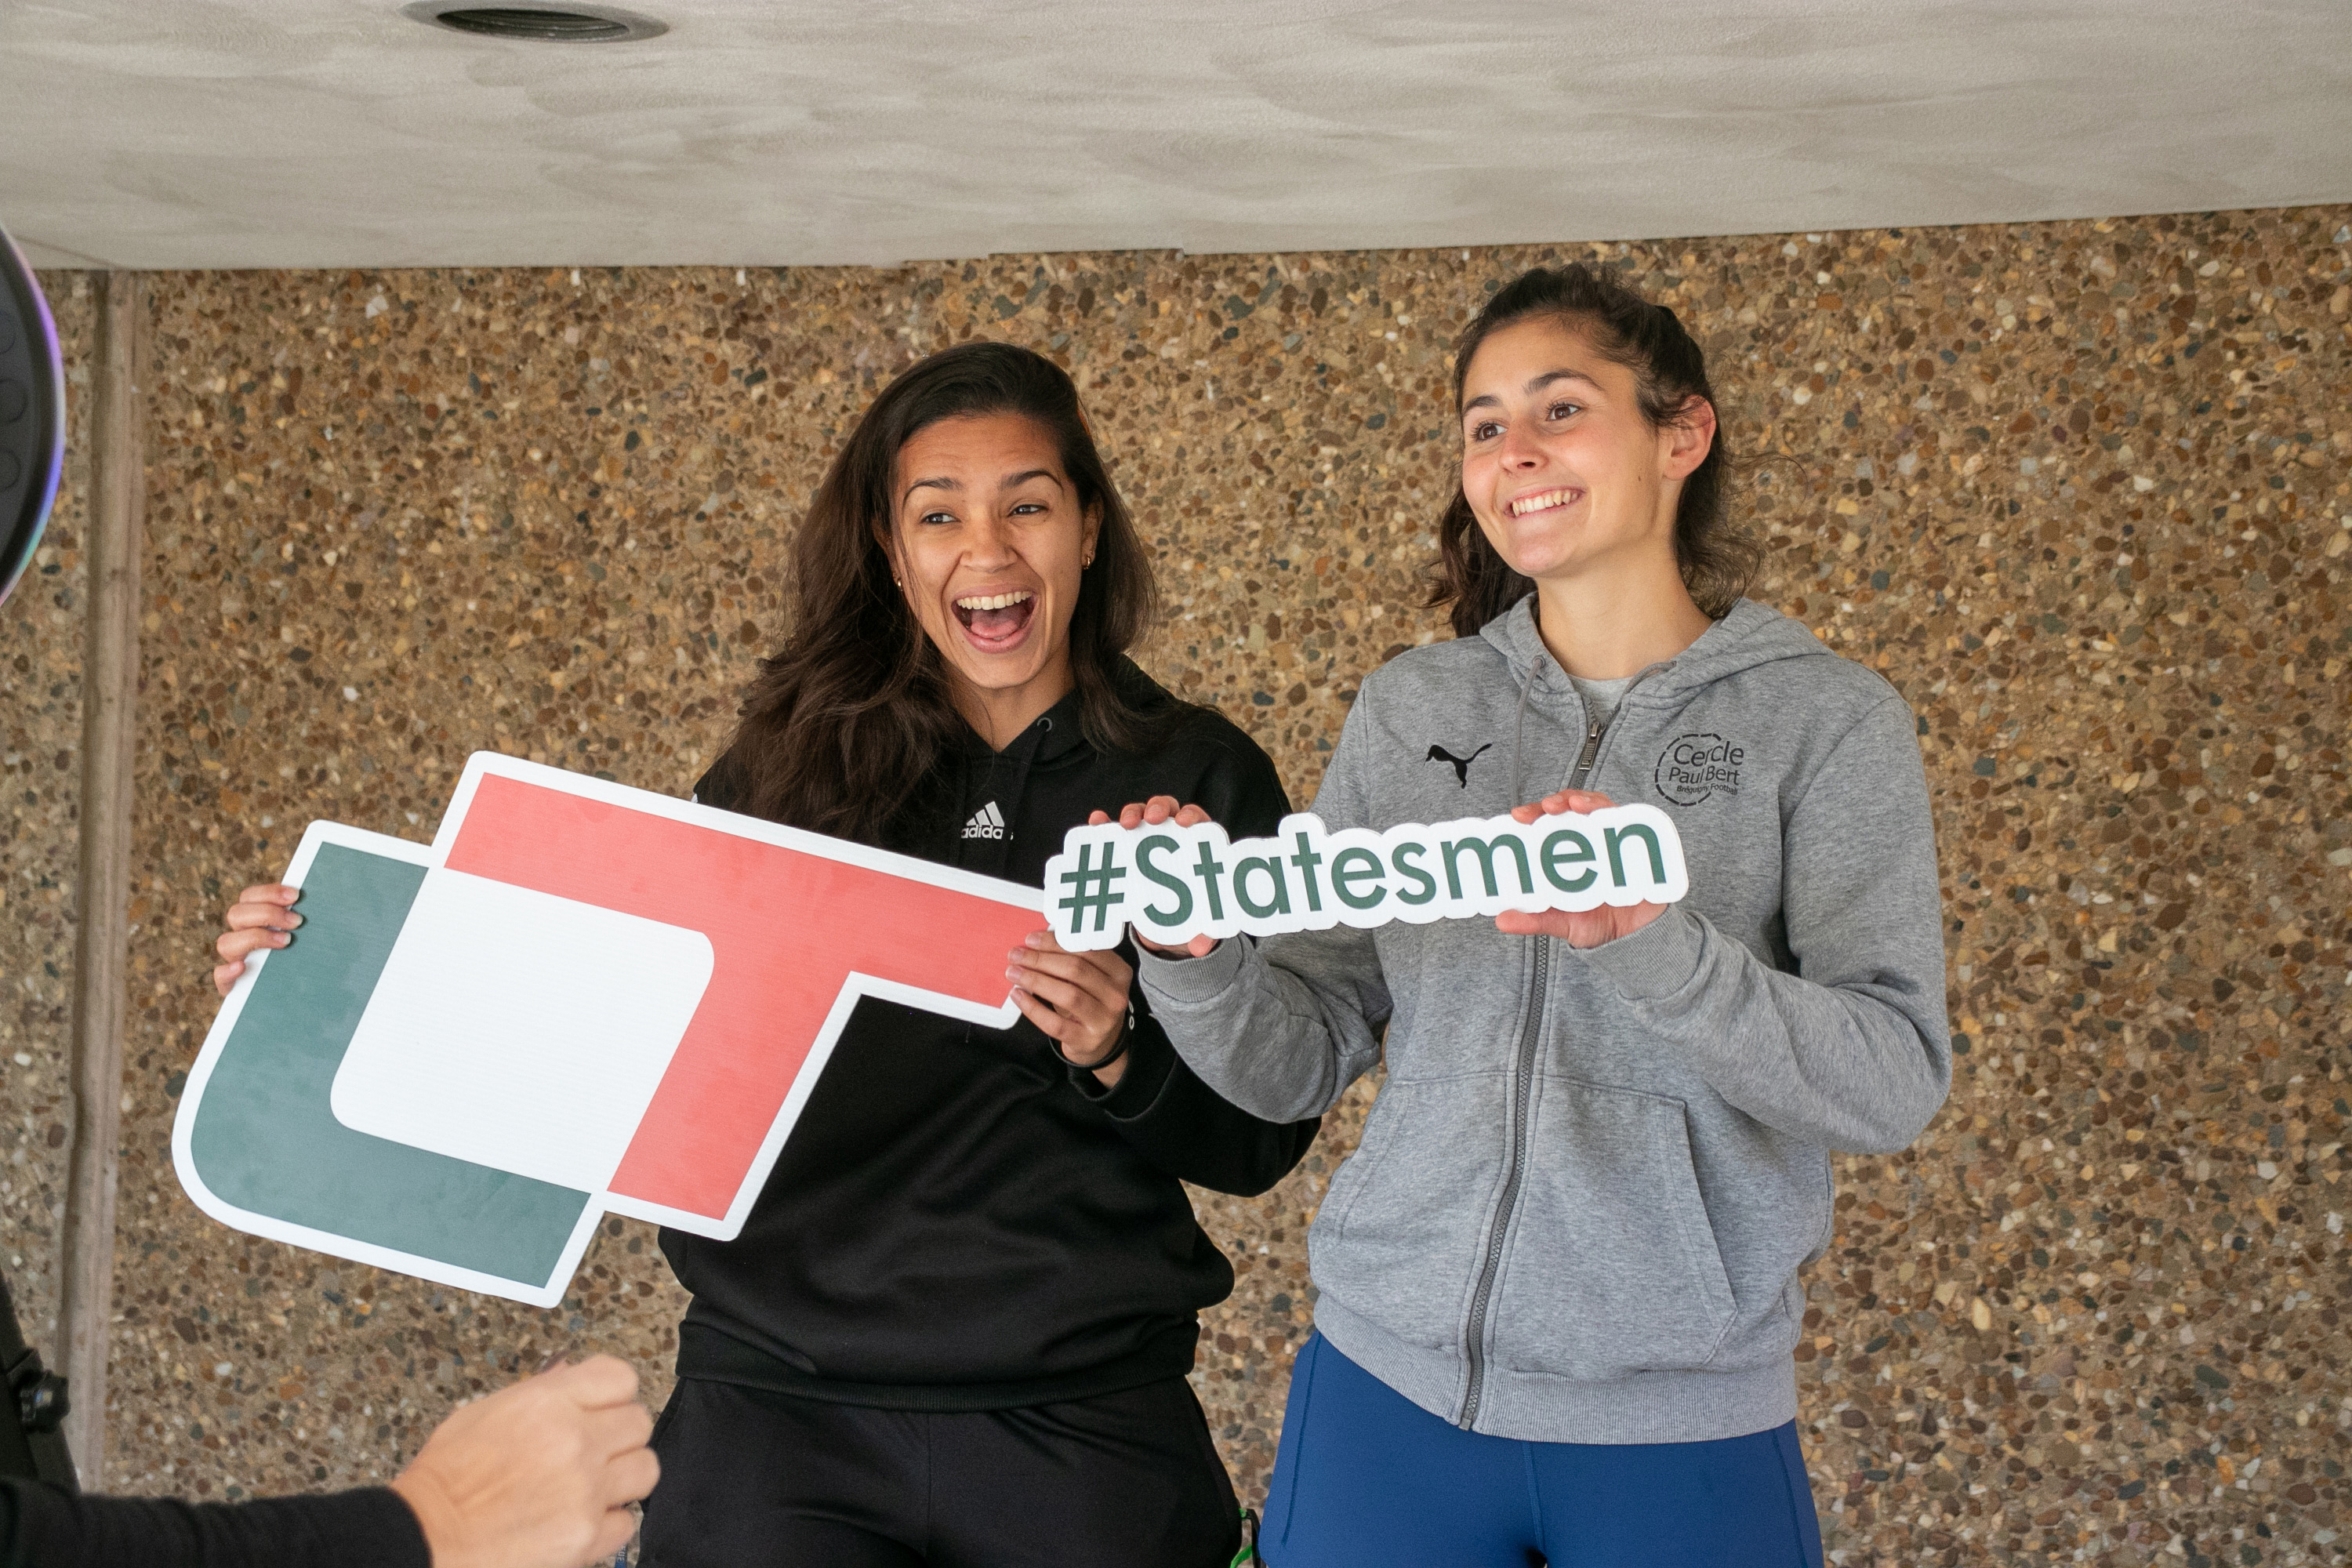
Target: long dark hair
1717	555
841	729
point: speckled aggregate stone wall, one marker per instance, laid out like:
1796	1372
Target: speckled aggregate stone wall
2079	489
41	630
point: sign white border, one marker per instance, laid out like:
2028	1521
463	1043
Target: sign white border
1172	883
856	986
192	1095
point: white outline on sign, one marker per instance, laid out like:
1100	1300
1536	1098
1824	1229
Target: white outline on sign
1118	889
856	986
191	1094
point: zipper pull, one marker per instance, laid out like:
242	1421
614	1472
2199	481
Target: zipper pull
1584	758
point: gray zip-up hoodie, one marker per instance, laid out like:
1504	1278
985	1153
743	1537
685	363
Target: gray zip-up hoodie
1584	1192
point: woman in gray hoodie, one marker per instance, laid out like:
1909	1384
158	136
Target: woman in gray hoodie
1556	1283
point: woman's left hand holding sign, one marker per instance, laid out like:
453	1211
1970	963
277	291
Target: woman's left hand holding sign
1578	927
1078	999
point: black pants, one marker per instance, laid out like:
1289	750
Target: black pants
754	1479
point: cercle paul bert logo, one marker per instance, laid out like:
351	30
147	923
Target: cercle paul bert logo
580	999
1693	767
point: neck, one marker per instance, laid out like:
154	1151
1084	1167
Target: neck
999	714
1604	625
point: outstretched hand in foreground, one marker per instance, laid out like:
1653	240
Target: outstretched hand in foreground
538	1475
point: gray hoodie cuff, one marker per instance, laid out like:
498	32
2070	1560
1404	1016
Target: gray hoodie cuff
1657	960
1190	982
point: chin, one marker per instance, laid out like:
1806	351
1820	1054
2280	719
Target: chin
1539	558
1562	551
1006	671
1533	543
1542	563
993	675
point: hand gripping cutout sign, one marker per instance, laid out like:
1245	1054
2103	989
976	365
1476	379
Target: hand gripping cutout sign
580	999
584	999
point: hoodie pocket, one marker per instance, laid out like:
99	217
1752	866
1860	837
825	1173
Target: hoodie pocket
1397	1238
1612	1267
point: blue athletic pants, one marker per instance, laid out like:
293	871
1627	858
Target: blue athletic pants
1366	1479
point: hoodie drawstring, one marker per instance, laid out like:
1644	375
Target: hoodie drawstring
1519	725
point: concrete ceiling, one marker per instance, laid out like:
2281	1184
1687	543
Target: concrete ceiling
219	133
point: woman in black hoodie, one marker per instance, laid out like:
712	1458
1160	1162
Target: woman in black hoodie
956	1328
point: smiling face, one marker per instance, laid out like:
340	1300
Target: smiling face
990	541
1560	468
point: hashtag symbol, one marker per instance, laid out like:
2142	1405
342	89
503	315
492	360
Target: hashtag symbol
1091	888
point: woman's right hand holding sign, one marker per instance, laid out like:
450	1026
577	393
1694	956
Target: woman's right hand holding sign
1151	813
262	917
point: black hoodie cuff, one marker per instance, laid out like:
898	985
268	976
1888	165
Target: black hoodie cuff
1150	1059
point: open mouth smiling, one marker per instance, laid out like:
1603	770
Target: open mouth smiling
996	621
1544	500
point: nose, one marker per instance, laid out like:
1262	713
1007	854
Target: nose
1521	449
989	544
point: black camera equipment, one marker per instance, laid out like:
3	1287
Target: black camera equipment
30	1444
32	414
32	457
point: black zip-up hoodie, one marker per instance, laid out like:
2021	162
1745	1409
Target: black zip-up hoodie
959	1221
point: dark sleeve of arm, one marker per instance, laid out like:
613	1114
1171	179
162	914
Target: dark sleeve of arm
1160	1105
1187	1129
41	1527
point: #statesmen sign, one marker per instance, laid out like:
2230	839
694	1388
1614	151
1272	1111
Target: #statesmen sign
1174	883
581	999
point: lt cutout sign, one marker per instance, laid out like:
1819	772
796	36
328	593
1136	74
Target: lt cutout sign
580	999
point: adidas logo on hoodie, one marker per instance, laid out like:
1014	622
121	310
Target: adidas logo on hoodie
986	823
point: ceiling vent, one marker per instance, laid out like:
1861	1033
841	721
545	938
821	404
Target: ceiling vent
540	23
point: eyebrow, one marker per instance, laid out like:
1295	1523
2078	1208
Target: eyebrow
1022	477
1535	384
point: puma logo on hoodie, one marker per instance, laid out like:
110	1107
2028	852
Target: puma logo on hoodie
1460	765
